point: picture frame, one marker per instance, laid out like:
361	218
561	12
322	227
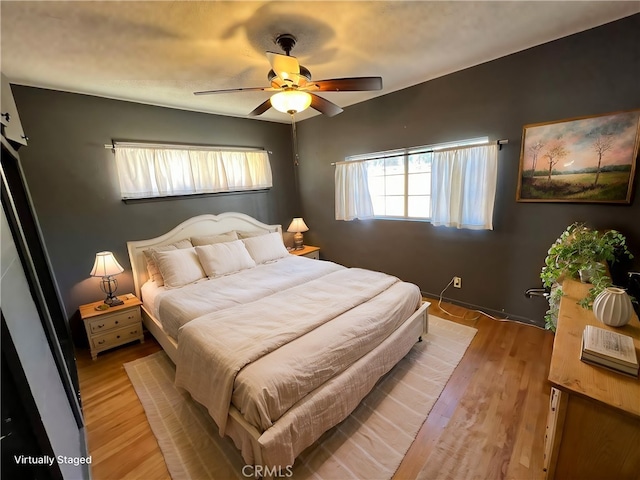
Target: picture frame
580	160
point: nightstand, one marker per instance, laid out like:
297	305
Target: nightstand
307	251
114	326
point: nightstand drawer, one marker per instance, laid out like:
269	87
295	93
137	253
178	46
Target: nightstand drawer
117	337
314	255
115	320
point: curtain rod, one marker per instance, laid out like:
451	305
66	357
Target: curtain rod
497	142
113	145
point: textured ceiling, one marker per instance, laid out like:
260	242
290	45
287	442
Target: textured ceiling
161	52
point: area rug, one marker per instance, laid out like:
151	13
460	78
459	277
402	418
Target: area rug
370	443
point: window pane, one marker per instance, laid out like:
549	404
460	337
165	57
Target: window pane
394	206
420	184
419	206
394	165
394	185
420	163
375	168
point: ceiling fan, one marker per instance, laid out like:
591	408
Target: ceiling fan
294	86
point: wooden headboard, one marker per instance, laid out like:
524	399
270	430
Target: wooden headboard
195	226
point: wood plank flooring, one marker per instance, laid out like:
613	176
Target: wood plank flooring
488	423
121	443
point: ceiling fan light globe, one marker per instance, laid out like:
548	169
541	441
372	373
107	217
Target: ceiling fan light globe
291	101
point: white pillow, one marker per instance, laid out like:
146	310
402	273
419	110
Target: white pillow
179	267
224	258
210	239
266	248
152	268
251	233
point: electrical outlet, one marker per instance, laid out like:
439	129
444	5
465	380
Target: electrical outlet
457	282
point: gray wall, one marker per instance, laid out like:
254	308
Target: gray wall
73	181
589	73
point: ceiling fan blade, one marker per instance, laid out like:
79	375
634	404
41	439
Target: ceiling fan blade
284	66
260	109
324	106
356	84
303	82
234	90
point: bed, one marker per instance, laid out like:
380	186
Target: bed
278	348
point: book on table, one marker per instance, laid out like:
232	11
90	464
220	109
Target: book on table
609	349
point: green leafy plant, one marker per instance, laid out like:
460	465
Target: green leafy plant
581	252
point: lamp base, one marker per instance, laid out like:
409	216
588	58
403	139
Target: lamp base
113	301
109	285
297	241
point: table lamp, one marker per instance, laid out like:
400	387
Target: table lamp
106	266
297	226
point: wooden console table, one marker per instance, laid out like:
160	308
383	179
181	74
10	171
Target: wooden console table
593	424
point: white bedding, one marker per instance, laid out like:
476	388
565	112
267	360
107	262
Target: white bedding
328	405
312	360
149	293
291	344
298	340
175	307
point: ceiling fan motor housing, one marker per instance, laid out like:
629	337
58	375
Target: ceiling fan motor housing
304	71
286	42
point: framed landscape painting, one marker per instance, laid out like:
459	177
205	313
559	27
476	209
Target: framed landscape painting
591	159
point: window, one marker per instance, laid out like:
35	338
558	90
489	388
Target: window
400	186
148	171
399	181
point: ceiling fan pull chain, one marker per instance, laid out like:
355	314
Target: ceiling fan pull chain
296	158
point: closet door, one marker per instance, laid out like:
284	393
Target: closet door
28	240
35	323
23	433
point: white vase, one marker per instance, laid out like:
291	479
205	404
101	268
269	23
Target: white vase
613	307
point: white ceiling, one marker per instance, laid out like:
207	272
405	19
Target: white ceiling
159	53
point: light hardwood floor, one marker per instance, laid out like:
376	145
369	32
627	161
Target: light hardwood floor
488	423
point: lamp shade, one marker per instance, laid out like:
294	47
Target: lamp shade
297	226
291	101
105	265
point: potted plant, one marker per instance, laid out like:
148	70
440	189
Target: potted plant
581	252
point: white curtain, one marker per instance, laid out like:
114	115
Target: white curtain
353	199
157	172
463	187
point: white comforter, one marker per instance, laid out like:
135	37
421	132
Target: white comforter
177	307
268	354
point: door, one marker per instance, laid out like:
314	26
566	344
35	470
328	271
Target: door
44	365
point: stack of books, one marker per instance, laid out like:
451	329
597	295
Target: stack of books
608	349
